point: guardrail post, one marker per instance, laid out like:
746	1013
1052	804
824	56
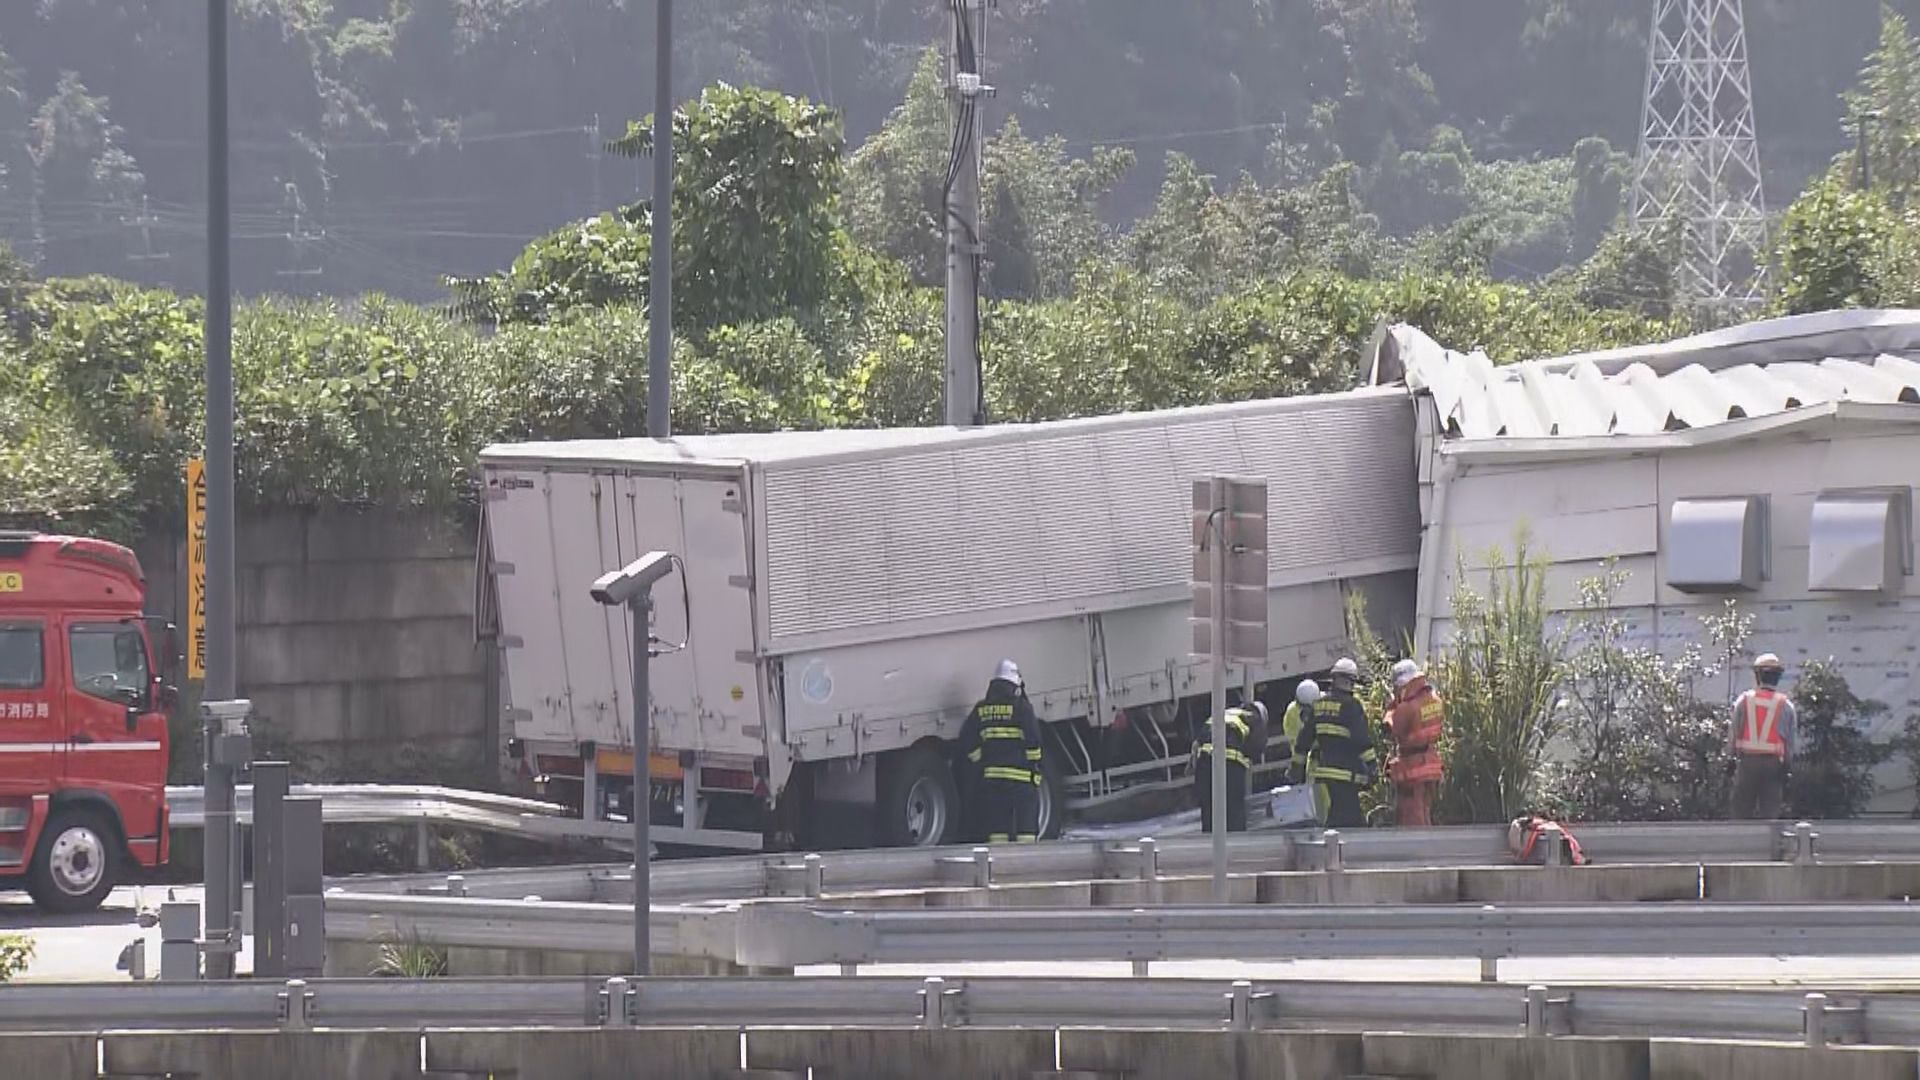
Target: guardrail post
613	1004
815	875
422	846
456	885
1489	969
1814	1019
1536	1012
1142	968
1336	850
1240	1006
933	1004
1803	843
293	1004
982	868
1149	869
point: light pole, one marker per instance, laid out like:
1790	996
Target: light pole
632	587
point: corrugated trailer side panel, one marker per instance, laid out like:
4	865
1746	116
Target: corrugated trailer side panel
926	540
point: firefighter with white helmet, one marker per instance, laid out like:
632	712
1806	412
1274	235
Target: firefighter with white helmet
1291	723
1002	737
1762	735
1340	747
1417	718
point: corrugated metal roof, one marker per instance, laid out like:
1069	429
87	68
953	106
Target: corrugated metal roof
1762	369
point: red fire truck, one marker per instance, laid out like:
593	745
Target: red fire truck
83	724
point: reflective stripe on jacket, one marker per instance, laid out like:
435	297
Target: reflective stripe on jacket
1237	729
1760	731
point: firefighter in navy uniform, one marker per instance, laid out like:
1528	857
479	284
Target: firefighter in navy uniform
1246	731
1002	739
1340	747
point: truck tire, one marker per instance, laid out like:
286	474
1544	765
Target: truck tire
75	864
1053	800
919	806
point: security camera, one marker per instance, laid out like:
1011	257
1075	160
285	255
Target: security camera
624	586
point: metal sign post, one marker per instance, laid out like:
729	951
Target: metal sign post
1229	613
229	750
632	587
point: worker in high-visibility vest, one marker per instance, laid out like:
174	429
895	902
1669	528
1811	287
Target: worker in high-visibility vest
1246	729
1761	735
1291	722
1341	747
1002	737
1418	718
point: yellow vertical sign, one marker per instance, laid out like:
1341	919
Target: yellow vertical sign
196	569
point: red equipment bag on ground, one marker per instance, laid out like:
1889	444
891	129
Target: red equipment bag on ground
1524	836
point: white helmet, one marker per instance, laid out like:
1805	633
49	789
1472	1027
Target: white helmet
1405	672
1307	692
1768	662
1345	668
1008	671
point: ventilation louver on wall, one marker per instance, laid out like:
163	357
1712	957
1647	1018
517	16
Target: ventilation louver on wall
1717	545
1860	541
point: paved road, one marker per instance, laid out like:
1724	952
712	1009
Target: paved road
87	947
79	948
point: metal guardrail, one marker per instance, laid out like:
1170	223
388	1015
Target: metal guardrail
372	804
794	935
1150	1004
776	875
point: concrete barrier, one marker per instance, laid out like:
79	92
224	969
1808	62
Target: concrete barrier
586	1053
261	1055
1463	1057
55	1057
1581	884
1436	886
1682	1059
1787	883
359	959
1187	1055
882	1054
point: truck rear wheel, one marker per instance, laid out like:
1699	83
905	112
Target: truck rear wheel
919	806
1053	800
74	865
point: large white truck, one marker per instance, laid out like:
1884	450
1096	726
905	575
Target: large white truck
843	598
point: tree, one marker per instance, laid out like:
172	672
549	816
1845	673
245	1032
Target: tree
1636	270
1839	248
756	223
1887	103
83	177
1834	762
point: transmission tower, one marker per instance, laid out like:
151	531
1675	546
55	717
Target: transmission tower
1699	158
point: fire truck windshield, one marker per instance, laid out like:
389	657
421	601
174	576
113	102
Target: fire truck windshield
108	659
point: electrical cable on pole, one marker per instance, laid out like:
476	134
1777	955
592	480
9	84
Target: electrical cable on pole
965	396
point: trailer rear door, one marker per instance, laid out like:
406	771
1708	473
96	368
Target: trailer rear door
569	659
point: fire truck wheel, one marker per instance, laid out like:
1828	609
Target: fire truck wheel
73	868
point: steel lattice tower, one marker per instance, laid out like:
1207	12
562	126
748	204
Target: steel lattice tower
1699	155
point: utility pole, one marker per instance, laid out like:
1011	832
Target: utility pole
221	682
660	283
965	403
1699	154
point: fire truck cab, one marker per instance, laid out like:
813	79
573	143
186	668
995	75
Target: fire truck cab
83	719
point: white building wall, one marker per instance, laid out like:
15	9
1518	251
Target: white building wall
1580	512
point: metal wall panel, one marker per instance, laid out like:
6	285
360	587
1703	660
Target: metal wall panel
1068	520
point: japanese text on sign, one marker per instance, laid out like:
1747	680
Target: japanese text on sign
24	710
196	569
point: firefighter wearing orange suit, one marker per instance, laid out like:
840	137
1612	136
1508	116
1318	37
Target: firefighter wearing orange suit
1417	718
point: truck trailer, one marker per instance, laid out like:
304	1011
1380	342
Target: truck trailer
83	719
843	598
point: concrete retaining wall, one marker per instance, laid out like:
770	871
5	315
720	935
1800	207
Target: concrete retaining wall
878	1054
588	1054
1190	1055
356	642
